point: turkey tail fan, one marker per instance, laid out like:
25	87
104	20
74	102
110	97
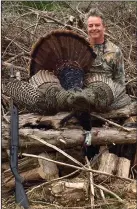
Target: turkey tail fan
43	77
59	49
117	93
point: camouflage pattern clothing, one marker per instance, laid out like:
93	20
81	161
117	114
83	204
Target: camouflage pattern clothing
109	64
109	61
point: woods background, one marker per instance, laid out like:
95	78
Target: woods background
23	23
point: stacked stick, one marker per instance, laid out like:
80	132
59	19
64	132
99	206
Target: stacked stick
46	149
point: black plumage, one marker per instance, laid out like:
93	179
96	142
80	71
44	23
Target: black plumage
71	78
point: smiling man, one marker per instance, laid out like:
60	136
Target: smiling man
109	59
96	29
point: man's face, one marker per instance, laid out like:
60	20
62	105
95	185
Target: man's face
96	28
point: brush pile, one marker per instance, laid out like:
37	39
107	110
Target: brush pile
56	173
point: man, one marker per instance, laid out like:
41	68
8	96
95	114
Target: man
109	56
105	83
109	61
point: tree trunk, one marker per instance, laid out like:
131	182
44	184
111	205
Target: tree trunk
66	138
54	121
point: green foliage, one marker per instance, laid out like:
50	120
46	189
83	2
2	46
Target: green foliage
42	5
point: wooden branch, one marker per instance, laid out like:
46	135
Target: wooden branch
38	170
109	192
16	44
79	168
54	121
15	57
92	192
125	112
103	196
51	181
130	81
29	162
66	138
44	14
82	14
19	34
41	173
9	65
57	149
111	122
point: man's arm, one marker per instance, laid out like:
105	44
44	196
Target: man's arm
119	72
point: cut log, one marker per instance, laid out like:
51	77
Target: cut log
31	175
54	121
31	120
32	170
66	193
108	164
66	138
123	167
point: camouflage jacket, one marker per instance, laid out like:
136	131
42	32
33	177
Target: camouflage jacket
109	61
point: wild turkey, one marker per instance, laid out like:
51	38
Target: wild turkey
60	78
57	65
